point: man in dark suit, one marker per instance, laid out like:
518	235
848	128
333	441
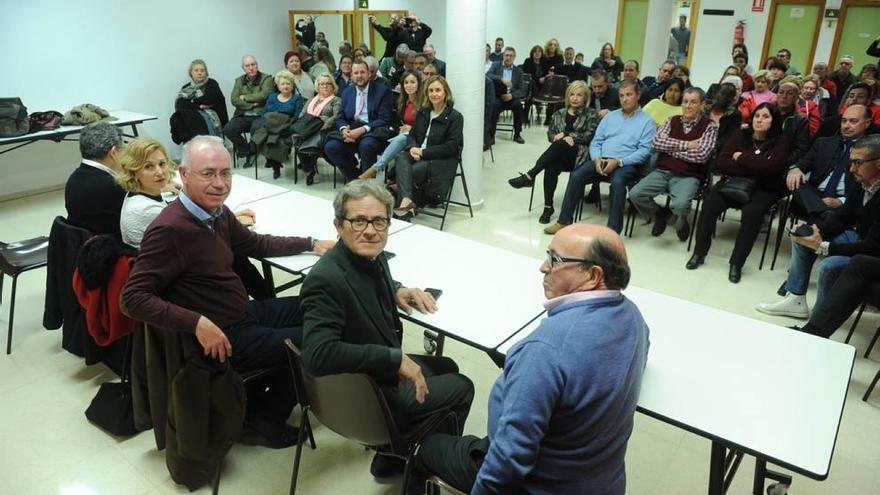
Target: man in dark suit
604	98
92	197
820	180
508	79
350	303
366	107
656	86
573	70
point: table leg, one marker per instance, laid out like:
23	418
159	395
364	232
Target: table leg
134	130
716	469
762	474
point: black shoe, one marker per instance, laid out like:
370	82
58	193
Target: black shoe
592	197
660	219
683	232
735	274
385	466
249	161
782	291
276	173
310	178
492	141
287	437
485	146
695	261
546	214
519	182
519	139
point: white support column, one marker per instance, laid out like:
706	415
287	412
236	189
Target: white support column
465	56
657	35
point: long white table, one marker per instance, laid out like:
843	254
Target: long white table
749	386
124	118
246	190
295	213
488	293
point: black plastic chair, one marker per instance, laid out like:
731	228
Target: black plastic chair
448	201
552	91
352	405
15	259
436	486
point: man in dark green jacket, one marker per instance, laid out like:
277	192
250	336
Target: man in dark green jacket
350	323
248	97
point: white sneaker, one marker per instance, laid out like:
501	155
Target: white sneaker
790	305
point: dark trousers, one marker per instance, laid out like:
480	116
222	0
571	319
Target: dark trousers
751	220
342	155
586	173
454	459
235	130
558	158
808	204
515	105
434	176
448	389
861	277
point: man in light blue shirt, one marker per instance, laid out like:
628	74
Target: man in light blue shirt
620	147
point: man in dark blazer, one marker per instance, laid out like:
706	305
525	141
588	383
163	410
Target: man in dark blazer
365	114
654	87
604	98
574	71
508	79
92	197
821	180
350	303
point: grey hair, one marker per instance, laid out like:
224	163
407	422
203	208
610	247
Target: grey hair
693	90
509	49
871	142
96	140
358	189
735	80
615	268
371	62
628	83
248	57
193	144
402	49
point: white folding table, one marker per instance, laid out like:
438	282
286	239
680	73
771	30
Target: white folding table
123	118
749	386
246	190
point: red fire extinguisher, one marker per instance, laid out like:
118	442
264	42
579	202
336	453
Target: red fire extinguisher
739	32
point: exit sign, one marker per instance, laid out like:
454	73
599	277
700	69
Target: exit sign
363	4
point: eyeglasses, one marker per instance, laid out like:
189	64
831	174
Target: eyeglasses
859	163
325	84
380	224
554	259
210	174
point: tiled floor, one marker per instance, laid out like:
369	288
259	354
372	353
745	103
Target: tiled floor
48	447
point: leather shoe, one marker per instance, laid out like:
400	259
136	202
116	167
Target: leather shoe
276	173
683	231
310	178
287	437
660	219
519	139
523	180
735	274
546	214
695	261
556	227
385	466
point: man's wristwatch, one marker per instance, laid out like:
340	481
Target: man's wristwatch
822	250
312	243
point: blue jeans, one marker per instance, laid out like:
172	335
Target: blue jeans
395	146
802	259
586	173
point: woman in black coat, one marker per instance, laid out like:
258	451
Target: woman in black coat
431	156
609	62
199	102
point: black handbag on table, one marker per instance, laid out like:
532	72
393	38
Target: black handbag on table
736	189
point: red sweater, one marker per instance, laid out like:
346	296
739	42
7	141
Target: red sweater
184	269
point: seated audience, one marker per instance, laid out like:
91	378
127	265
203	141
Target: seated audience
620	147
731	70
570	132
761	94
431	54
351	323
812	97
510	91
552	56
92	197
325	105
820	70
183	281
741	61
843	77
741	49
795	127
358	54
857	94
653	87
788	95
145	172
306	59
561	413
609	62
683	73
571	69
604	98
752	163
429	70
534	66
282	109
819	180
630	72
660	109
723	110
408	103
303	82
392	65
776	71
852	229
373	67
324	63
784	56
362	124
498	54
685	143
248	97
432	151
420	62
200	107
579	58
868	72
487	64
342	76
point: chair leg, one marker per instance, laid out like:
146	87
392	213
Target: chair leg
407	473
855	323
302	426
694	224
873	341
531	200
467	194
216	488
783	219
767	239
871	387
11	315
2	277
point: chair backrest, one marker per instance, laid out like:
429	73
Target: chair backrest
349	404
436	486
554	86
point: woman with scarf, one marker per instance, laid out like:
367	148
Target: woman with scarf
200	107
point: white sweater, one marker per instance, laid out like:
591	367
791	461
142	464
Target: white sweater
138	211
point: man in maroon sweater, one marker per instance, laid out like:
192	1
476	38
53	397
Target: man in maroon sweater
685	144
183	279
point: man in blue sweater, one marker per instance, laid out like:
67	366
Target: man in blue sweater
561	413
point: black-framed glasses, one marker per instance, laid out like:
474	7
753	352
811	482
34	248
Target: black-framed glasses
554	259
859	163
380	224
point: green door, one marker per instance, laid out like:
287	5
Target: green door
795	28
635	22
860	27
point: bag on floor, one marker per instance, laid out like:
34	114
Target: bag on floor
112	410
